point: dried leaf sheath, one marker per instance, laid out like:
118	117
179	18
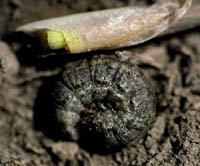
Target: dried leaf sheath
190	20
107	29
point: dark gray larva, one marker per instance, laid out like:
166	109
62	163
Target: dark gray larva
102	102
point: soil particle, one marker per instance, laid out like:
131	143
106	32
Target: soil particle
8	60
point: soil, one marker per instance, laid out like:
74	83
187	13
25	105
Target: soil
171	63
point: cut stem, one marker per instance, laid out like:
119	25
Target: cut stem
108	29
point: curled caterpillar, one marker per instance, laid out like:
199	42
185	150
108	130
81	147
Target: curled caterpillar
103	102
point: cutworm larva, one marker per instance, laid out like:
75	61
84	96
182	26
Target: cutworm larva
102	102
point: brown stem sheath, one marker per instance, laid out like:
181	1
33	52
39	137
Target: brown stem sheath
190	20
110	29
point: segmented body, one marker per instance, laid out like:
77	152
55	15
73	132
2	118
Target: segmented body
102	99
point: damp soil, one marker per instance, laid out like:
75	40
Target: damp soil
170	63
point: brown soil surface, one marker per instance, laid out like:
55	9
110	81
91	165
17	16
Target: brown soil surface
171	63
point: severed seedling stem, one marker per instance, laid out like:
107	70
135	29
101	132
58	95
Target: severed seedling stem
114	28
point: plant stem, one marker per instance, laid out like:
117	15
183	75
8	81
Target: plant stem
190	20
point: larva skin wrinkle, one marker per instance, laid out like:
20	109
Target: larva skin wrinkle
107	29
102	103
